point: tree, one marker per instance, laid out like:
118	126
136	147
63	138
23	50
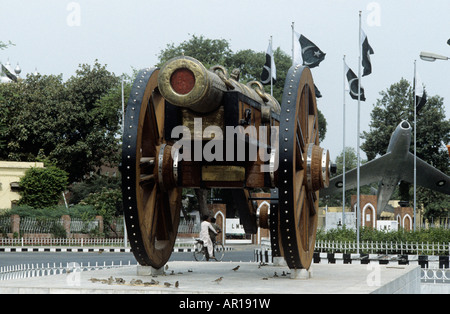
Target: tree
4	45
42	187
433	130
74	124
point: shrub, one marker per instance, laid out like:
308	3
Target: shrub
42	187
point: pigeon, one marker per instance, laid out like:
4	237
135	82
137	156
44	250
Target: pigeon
236	268
218	280
167	284
177	284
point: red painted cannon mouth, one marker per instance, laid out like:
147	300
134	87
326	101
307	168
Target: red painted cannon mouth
182	81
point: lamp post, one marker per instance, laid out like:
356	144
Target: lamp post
431	57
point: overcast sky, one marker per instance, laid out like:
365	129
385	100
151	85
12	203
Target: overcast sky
55	36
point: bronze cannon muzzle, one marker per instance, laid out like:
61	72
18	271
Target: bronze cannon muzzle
185	82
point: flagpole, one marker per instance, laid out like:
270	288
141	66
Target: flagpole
343	152
415	146
358	214
293	48
272	61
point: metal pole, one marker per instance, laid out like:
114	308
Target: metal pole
271	68
293	48
343	152
415	146
123	109
125	235
358	214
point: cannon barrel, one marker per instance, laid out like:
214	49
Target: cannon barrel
185	82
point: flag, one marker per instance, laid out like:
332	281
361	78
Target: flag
311	54
8	73
419	93
317	92
366	52
269	71
353	84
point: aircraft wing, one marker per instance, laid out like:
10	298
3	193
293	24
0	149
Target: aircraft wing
369	172
427	176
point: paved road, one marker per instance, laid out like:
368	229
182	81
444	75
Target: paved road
244	253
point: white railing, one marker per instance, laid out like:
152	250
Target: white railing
35	270
435	275
79	242
418	248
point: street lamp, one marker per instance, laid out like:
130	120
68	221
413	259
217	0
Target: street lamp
431	57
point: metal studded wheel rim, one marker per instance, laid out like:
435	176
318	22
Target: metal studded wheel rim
151	214
298	203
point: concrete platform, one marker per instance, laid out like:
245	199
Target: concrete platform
249	278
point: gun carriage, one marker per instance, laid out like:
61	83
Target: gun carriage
176	135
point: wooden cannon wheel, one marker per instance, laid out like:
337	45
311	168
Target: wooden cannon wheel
151	201
303	169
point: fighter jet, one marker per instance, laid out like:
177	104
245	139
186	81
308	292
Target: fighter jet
395	166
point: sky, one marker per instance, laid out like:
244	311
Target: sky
55	36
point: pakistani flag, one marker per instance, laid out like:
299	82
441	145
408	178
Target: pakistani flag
317	92
311	54
420	93
8	73
366	52
269	71
353	84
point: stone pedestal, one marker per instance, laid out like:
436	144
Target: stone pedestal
301	273
149	271
279	261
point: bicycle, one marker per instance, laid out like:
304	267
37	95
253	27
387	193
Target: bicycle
200	251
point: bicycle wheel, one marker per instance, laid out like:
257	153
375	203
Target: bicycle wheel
219	251
198	252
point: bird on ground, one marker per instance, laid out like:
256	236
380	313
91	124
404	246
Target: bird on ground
236	268
177	284
218	280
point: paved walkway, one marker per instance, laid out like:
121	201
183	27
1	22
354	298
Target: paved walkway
248	278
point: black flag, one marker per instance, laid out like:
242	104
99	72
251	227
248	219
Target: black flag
8	73
311	54
317	92
269	69
353	84
366	52
419	93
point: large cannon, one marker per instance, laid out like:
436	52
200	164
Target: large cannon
186	126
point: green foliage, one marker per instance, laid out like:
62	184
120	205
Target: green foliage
72	125
4	45
209	51
82	211
436	235
106	203
42	187
94	184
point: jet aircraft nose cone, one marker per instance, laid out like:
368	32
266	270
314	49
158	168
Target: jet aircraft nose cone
405	125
